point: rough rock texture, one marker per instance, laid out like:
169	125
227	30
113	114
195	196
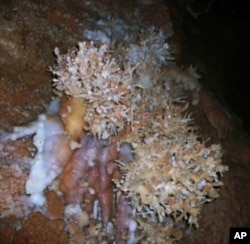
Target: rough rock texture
37	229
29	32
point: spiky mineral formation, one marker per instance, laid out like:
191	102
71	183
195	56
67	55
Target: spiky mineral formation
130	167
90	73
173	173
109	84
137	96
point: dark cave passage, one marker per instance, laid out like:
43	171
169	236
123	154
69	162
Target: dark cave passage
221	37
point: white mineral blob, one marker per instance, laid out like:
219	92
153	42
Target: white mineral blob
75	212
47	164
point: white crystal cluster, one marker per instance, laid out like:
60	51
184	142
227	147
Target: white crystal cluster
110	31
173	172
90	72
136	95
151	49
